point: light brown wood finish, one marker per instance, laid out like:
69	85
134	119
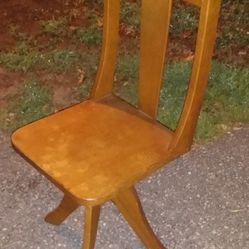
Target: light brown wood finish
154	37
204	49
91	226
129	205
104	81
98	150
100	147
66	207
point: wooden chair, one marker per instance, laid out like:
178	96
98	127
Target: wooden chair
98	150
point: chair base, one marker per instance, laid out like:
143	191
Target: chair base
128	203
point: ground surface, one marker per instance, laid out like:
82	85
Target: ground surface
200	201
21	23
49	51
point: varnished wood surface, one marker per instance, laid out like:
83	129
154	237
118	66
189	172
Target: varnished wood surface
94	148
97	150
104	80
91	226
129	205
66	207
154	37
199	77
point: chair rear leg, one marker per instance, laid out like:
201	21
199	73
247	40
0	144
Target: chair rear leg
91	226
59	214
129	205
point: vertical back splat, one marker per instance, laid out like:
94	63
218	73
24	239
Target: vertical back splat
104	81
154	35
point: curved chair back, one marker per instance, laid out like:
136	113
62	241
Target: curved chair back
155	22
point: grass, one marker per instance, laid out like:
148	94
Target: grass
130	13
15	32
235	24
21	58
183	19
91	35
27	59
227	96
127	77
226	100
54	27
33	103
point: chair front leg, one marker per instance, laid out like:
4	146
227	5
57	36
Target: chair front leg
129	205
91	226
65	208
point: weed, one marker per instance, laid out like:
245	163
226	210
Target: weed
54	27
91	35
14	30
24	58
89	66
173	90
226	100
127	77
130	13
60	60
234	28
231	37
183	19
34	103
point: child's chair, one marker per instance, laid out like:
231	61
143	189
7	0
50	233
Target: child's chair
98	150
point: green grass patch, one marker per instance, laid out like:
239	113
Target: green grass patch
183	19
22	58
234	24
226	100
130	13
126	77
54	27
173	91
27	59
90	35
33	103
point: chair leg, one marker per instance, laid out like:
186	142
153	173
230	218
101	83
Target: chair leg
91	225
59	214
129	205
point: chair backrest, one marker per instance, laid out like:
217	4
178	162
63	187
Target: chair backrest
155	22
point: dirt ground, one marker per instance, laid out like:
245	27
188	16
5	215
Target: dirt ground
26	15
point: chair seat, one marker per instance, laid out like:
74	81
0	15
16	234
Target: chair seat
94	148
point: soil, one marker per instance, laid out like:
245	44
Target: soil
24	16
